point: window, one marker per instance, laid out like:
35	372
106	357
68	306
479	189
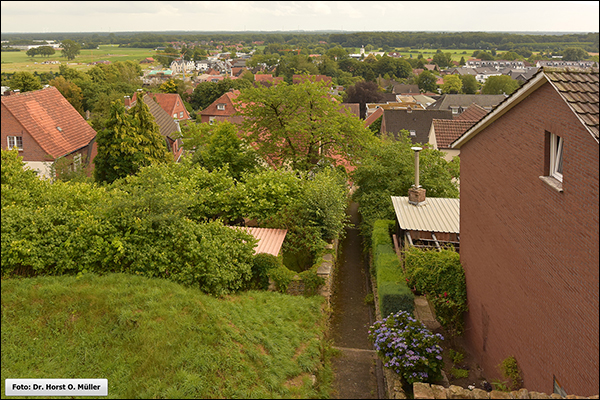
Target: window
15	142
211	120
221	107
77	161
175	115
556	157
413	133
181	114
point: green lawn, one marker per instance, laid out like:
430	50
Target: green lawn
152	338
18	61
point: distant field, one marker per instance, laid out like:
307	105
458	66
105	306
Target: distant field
19	61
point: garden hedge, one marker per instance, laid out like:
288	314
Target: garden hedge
394	294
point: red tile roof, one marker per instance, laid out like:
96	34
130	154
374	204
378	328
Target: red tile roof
171	103
226	99
448	130
373	117
51	120
473	113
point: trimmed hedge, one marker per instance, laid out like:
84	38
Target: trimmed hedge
394	294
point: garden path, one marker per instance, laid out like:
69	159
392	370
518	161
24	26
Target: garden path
356	375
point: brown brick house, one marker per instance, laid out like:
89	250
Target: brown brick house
44	126
222	109
529	232
171	103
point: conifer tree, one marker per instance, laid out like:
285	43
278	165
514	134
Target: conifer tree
130	141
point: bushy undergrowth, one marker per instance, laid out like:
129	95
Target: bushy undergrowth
440	276
408	348
167	221
152	338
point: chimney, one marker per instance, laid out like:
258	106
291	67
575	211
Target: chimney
416	194
127	101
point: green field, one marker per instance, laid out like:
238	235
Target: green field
152	338
18	61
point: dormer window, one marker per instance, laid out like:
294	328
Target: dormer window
221	107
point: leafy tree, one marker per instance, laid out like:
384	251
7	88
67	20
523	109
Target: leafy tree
70	49
32	52
362	93
443	60
452	84
502	84
510	56
130	141
574	54
169	86
469	84
45	51
25	81
218	146
300	125
427	82
70	91
387	169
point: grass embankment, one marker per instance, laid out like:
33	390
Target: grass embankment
13	61
152	338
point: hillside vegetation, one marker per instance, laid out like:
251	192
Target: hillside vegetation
152	338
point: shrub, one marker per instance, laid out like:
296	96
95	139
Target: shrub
311	281
393	293
262	264
407	347
511	371
439	274
282	277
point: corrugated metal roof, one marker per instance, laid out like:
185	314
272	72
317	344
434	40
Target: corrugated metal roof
269	240
436	215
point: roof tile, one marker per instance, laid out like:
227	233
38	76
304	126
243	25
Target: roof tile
42	113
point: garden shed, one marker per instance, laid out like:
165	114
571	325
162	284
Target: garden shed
426	222
269	240
434	223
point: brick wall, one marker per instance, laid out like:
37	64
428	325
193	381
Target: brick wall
12	127
530	253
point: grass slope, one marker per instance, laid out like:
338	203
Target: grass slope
153	338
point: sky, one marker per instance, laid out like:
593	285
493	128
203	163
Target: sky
269	16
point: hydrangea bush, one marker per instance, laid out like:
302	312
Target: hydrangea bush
408	348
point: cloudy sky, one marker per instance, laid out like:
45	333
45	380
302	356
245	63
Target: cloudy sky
119	16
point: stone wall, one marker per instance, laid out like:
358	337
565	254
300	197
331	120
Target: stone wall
427	391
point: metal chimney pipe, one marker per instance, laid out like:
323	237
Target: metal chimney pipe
416	150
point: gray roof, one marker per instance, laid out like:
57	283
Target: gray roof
416	120
165	122
435	215
487	101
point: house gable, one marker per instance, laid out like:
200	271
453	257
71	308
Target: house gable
50	120
529	252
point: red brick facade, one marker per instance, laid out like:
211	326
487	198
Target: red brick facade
12	127
530	253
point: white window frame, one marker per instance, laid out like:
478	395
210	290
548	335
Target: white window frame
413	133
13	142
211	120
77	161
556	156
180	114
221	107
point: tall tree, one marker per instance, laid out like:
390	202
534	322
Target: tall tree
25	81
300	125
469	84
130	141
502	84
363	93
70	49
70	91
452	84
427	82
574	54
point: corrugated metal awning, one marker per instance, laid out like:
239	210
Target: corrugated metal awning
435	215
269	240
